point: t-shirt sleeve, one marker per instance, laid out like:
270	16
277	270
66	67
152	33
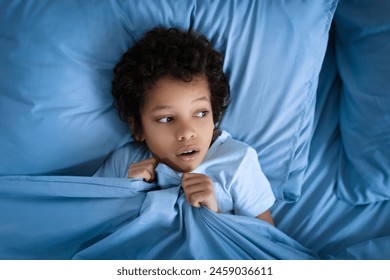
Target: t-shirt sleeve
251	191
118	162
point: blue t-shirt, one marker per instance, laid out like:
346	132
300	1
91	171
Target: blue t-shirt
240	185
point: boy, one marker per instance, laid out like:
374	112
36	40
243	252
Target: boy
171	90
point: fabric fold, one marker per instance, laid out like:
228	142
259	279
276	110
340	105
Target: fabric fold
128	219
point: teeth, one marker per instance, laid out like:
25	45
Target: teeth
188	152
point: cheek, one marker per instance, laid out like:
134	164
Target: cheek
156	147
209	128
156	140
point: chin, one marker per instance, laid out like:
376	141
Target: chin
179	168
184	169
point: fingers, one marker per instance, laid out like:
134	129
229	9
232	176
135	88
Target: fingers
143	169
198	189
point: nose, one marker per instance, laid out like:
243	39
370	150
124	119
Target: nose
185	132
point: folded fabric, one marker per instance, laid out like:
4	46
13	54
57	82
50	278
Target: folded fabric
362	42
372	249
104	218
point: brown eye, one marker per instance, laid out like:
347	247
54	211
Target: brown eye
165	119
201	114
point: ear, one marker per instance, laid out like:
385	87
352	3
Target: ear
136	135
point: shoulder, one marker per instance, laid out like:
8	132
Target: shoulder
237	175
132	150
228	154
117	163
230	149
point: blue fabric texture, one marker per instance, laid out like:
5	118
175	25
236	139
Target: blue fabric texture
99	218
320	220
373	249
57	59
240	186
56	113
362	41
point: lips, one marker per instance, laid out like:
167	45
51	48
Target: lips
188	153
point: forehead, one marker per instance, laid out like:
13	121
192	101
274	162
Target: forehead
168	91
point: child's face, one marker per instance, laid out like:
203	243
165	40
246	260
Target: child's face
177	122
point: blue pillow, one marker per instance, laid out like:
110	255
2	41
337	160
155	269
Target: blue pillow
57	59
363	58
273	55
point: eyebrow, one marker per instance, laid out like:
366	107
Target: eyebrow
203	98
160	107
163	107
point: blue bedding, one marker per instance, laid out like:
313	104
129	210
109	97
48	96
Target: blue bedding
309	91
321	220
98	218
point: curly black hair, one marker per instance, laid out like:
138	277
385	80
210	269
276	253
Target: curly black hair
167	52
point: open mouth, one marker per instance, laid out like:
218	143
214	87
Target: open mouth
188	154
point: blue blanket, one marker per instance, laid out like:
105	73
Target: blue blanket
53	217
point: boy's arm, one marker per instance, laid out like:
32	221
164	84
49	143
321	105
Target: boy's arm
251	190
266	216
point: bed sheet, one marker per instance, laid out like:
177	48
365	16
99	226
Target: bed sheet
320	220
67	217
54	217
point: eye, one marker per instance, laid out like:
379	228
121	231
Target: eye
164	119
201	114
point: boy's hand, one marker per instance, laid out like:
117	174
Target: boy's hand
198	189
143	169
